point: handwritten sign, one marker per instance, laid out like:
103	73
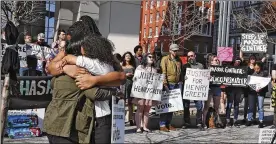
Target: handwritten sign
196	84
118	121
225	54
171	102
253	43
228	75
266	135
257	83
147	85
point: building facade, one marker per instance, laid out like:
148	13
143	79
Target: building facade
156	26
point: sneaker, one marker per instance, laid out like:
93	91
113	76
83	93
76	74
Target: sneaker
186	125
203	127
139	130
147	130
172	128
248	123
228	124
164	129
244	121
261	125
131	123
237	125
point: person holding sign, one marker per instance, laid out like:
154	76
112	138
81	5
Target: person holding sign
171	67
192	63
144	105
214	93
260	93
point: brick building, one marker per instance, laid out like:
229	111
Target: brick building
154	24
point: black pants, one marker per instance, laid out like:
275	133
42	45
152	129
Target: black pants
103	130
59	140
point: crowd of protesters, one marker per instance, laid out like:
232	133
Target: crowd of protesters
86	75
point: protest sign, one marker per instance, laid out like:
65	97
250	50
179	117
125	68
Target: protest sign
35	92
229	75
225	54
253	43
196	84
266	135
118	121
171	102
257	83
147	85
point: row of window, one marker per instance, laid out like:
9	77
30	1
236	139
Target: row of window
156	32
161	44
157	17
198	50
152	4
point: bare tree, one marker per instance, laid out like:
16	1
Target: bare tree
22	12
255	17
184	20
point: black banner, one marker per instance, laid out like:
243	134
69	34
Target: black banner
35	92
228	75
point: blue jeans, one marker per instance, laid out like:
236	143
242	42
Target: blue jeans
252	104
233	97
21	70
166	118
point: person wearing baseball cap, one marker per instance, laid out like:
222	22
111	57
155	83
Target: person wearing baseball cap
171	67
41	40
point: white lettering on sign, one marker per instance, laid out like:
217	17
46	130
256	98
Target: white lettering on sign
35	87
118	121
254	43
266	135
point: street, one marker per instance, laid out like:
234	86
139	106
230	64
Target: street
228	135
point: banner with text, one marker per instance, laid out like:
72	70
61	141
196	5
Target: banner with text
257	83
35	92
229	75
147	85
118	121
171	102
196	85
253	43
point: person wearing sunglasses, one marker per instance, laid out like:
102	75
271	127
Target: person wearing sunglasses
192	63
171	67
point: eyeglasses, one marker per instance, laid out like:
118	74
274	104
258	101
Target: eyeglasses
191	56
150	57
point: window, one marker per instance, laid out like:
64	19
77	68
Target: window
163	15
50	22
150	32
150	18
205	30
206	48
180	10
161	46
146	5
179	29
157	16
238	43
158	3
145	19
232	42
156	31
155	44
145	32
151	4
162	30
164	3
149	48
196	47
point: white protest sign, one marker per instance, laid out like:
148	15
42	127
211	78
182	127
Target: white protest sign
118	121
257	83
266	135
171	102
196	84
253	43
147	85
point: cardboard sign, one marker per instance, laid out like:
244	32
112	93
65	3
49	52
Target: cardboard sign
257	83
171	102
196	84
225	54
253	43
228	75
266	135
147	85
118	121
